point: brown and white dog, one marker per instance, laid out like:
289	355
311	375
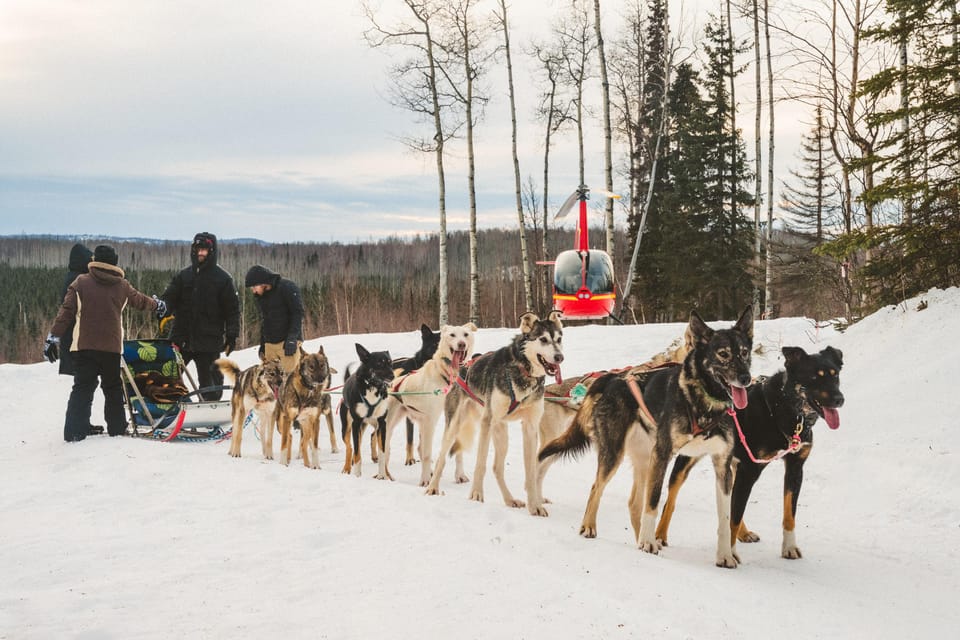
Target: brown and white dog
255	390
500	387
417	395
299	403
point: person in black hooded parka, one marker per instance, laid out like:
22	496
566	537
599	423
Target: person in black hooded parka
80	257
281	315
206	309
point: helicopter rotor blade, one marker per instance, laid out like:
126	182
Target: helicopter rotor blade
566	206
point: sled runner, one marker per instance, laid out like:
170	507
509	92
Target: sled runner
161	406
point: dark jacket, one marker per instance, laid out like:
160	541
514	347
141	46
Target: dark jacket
96	301
205	304
281	308
77	264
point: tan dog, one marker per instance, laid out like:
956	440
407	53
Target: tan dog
255	390
417	396
299	403
500	387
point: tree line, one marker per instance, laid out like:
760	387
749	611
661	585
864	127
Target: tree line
385	286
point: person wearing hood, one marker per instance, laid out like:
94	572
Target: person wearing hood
80	257
94	304
206	313
281	315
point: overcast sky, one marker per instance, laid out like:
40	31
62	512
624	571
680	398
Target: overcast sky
161	118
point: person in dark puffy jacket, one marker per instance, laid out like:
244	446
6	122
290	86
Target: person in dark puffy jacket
94	303
80	257
281	315
206	309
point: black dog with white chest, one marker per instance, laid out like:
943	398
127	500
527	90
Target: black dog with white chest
363	403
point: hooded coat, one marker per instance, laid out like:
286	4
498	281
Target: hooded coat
94	305
77	264
281	308
204	302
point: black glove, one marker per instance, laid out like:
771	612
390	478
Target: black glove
51	348
289	347
229	345
161	307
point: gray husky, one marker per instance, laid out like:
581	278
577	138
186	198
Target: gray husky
500	387
653	415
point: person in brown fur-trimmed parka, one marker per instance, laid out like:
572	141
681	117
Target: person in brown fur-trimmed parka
95	303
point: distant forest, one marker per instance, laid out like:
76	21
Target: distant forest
384	286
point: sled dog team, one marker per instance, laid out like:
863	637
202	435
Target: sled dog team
694	400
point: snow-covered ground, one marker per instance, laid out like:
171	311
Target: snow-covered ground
128	538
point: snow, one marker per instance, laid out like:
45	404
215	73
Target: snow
129	538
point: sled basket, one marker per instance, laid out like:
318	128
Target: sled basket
161	406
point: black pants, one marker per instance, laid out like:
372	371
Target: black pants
92	367
207	374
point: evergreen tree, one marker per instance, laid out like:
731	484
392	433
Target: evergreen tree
726	176
806	281
921	160
650	286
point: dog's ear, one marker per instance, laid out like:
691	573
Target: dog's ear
698	329
320	351
332	370
363	353
554	317
792	355
527	321
426	332
836	354
745	323
471	326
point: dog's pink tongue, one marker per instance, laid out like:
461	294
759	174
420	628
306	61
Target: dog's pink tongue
832	418
558	376
739	397
455	361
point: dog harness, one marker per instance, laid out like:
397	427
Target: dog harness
514	403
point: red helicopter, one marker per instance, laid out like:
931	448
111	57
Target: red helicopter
583	281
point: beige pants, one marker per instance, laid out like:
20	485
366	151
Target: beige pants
272	350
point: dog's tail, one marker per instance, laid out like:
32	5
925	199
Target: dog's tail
228	368
576	439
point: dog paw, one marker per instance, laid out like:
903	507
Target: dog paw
515	504
409	462
234	455
384	476
433	491
791	552
588	531
747	536
540	511
476	496
462	479
728	560
651	546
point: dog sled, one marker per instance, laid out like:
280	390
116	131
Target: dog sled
160	405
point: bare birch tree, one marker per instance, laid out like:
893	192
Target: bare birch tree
524	254
416	89
607	131
576	45
554	111
465	46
